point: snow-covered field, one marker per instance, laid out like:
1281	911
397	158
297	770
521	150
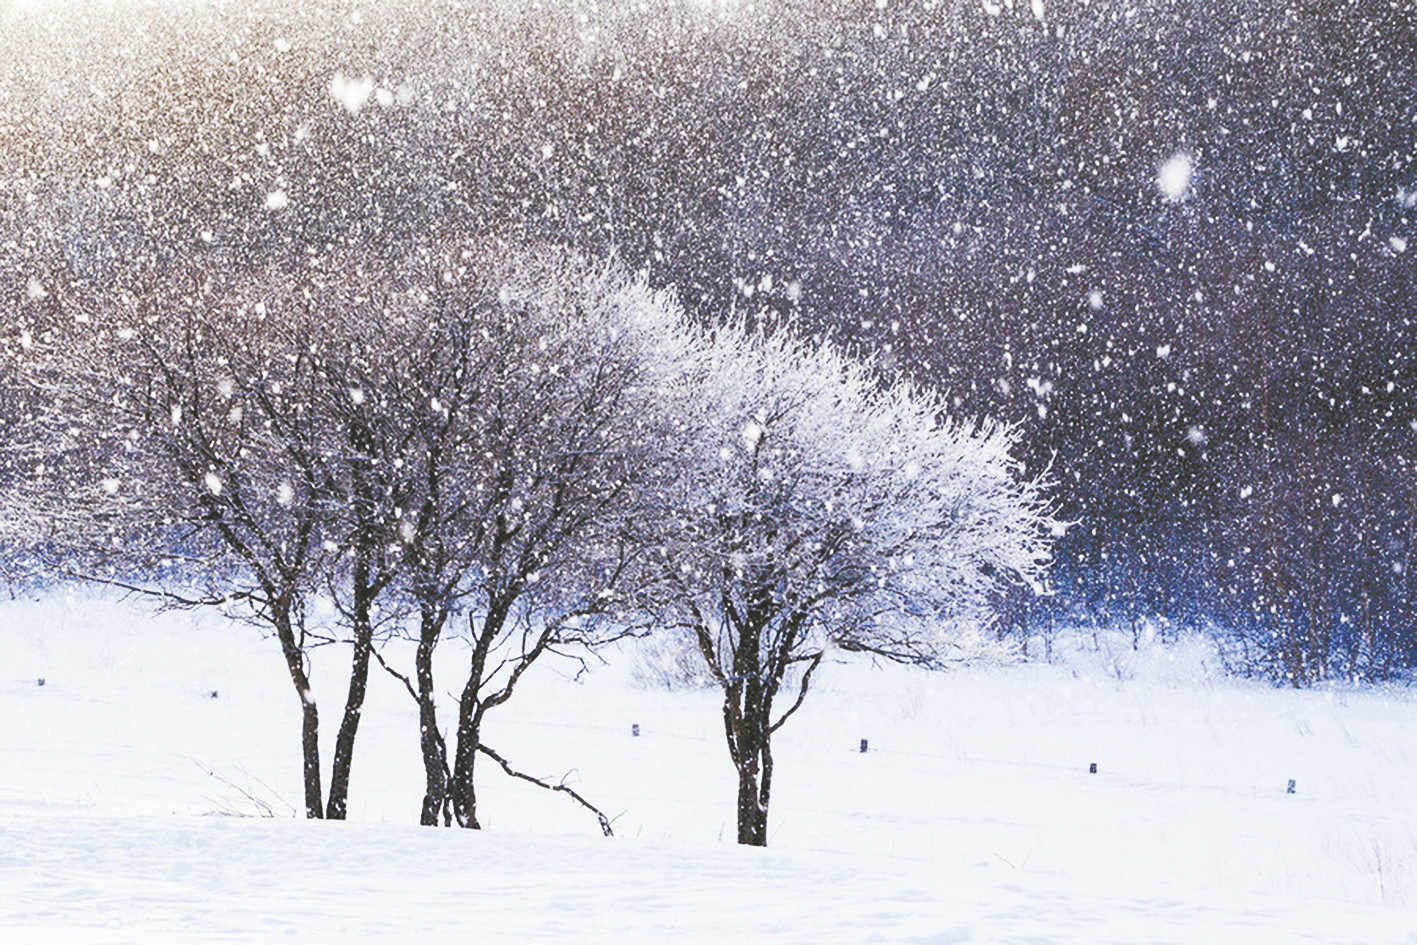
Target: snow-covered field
972	818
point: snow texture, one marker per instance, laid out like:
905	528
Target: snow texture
971	818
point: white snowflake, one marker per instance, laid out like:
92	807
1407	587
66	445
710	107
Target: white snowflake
1174	177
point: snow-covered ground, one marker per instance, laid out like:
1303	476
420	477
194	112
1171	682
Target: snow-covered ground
972	818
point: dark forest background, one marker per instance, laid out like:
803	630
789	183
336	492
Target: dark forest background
1223	385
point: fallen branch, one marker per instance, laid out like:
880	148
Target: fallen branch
604	821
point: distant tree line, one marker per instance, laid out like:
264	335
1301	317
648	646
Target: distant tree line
1219	379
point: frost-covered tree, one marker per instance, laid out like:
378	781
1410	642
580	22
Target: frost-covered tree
179	455
491	409
533	432
234	436
819	509
453	439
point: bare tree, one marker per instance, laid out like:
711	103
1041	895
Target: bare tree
157	467
205	443
488	418
530	428
820	509
456	436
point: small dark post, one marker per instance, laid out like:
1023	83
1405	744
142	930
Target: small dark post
863	746
213	694
1092	768
41	680
1290	789
635	729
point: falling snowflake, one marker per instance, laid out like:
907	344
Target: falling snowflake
353	94
1174	177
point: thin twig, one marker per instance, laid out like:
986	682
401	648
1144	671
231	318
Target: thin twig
171	597
259	803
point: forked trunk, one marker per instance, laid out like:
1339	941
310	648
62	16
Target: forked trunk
750	746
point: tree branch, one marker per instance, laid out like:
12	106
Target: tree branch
395	673
801	691
562	786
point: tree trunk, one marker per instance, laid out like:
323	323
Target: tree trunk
435	752
309	712
363	591
470	712
337	807
310	749
464	797
746	708
754	791
752	818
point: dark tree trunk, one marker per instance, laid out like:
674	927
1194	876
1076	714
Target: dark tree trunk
435	752
752	809
310	749
363	591
470	711
464	797
309	712
337	807
751	748
747	708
